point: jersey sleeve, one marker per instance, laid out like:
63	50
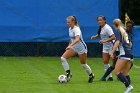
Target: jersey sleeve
110	31
77	31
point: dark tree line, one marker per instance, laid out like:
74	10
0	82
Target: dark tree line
132	7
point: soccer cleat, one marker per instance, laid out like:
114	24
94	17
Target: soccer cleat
110	79
129	89
90	80
69	76
102	79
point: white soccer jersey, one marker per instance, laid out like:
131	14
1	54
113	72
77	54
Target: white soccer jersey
80	46
105	33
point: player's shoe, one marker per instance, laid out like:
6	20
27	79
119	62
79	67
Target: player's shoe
69	76
129	89
110	79
102	79
90	80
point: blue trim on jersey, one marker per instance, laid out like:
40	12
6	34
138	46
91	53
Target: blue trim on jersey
83	43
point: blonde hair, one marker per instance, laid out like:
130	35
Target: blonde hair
73	18
118	25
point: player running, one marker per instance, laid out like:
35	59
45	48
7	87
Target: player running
125	58
129	28
76	46
107	35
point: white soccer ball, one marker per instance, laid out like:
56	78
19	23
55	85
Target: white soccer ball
62	78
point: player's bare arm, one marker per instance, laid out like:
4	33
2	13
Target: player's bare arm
112	37
77	38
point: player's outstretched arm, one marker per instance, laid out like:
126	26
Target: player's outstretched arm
94	37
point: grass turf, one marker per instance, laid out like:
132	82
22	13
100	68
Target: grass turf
39	75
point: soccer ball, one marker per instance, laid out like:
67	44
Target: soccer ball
62	78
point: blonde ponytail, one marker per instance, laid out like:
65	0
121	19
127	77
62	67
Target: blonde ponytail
118	25
123	33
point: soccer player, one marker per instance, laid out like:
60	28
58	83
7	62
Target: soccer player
129	28
125	58
107	35
76	46
112	67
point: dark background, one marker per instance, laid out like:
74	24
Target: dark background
132	7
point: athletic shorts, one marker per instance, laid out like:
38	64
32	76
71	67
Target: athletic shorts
126	57
107	48
107	51
81	49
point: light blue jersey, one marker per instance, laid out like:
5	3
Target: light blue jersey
105	33
79	47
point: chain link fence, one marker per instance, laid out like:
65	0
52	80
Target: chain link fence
43	49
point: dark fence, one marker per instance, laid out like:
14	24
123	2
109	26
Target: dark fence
43	49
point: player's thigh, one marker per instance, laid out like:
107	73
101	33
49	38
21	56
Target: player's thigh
126	69
120	64
83	58
106	57
69	53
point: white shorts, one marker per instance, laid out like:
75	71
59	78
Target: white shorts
81	49
107	49
126	57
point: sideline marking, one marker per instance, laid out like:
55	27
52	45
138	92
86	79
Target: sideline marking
136	66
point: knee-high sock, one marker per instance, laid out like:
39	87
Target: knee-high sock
106	66
128	78
108	71
65	63
87	68
123	79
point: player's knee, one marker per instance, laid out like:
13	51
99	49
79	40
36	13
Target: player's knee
63	59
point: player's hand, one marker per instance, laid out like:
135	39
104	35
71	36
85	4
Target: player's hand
93	37
112	55
102	41
68	47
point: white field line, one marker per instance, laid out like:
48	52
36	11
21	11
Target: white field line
136	66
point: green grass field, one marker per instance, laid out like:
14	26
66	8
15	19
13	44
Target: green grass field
39	75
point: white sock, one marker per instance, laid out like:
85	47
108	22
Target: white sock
65	63
106	66
87	68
